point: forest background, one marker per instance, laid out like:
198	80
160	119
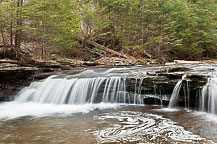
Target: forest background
89	29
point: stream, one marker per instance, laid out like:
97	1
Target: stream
115	105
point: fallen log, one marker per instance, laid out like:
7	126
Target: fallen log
106	49
147	54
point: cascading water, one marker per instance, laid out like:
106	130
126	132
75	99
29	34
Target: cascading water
188	94
186	90
209	96
76	91
175	94
138	99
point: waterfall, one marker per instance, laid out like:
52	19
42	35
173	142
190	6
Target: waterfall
209	96
188	93
138	99
175	93
186	90
57	90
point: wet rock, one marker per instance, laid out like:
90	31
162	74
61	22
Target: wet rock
162	82
152	101
13	77
197	77
178	69
172	75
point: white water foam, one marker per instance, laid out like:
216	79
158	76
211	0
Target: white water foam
168	109
128	126
12	110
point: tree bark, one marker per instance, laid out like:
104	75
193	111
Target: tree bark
19	24
3	39
11	32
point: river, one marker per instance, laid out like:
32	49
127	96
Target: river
100	106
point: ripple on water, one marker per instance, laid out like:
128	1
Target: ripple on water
128	126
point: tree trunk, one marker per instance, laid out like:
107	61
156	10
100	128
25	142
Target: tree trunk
11	32
19	24
3	39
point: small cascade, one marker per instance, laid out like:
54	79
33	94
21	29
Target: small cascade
186	90
57	90
138	99
209	96
188	94
175	93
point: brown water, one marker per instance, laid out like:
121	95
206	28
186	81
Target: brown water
123	124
